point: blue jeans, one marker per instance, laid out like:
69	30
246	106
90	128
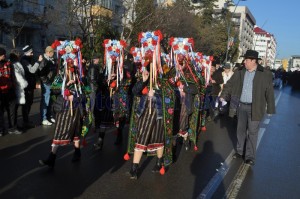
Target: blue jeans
45	105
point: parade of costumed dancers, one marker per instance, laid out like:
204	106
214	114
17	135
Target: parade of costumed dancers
72	105
151	123
110	115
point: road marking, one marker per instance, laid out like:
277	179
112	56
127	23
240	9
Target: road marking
237	182
277	98
216	180
267	121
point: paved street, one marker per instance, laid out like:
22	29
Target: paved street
102	174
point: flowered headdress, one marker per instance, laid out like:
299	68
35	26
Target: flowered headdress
180	49
137	54
70	53
150	48
114	53
202	64
206	66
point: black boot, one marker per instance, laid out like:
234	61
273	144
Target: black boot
133	171
50	161
187	144
76	155
119	137
159	164
99	144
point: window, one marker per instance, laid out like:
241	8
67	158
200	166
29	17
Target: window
23	39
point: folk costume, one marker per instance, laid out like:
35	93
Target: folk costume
152	116
110	110
184	76
123	98
202	65
73	115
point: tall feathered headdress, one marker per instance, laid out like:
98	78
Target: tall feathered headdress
150	49
70	53
180	49
114	53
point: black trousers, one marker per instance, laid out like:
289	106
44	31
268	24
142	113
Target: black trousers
29	95
7	105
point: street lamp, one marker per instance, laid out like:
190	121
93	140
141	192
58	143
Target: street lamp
229	28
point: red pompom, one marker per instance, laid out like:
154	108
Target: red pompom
67	92
195	148
145	91
203	128
113	84
178	83
162	171
126	157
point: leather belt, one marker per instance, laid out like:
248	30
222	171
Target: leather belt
246	103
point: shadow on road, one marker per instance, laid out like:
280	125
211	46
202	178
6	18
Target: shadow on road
208	156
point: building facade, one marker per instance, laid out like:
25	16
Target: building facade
265	43
294	63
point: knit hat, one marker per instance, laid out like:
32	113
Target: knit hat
2	51
27	49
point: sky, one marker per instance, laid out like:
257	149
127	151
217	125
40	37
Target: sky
280	18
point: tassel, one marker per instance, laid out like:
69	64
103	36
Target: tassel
162	171
145	91
203	128
195	148
126	157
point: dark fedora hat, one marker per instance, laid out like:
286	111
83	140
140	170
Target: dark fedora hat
252	54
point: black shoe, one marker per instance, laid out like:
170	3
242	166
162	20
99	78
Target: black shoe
187	144
249	162
15	131
237	155
159	164
77	155
50	161
133	171
99	144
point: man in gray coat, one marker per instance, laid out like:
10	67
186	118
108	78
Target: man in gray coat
251	94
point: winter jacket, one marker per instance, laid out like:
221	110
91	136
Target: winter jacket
21	82
47	70
7	79
30	71
263	99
